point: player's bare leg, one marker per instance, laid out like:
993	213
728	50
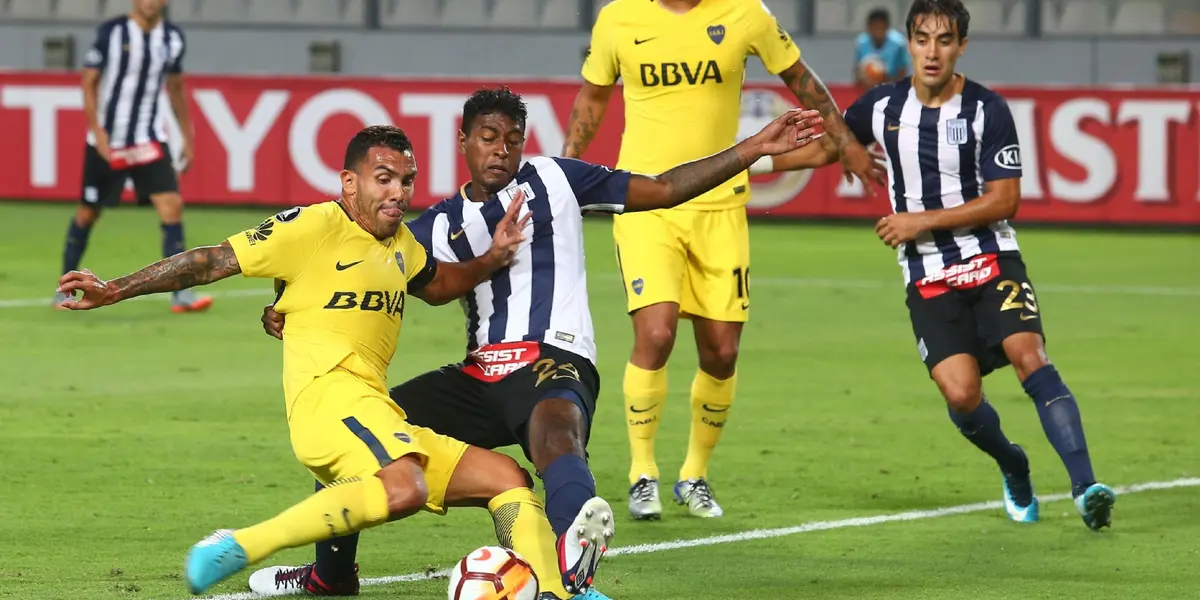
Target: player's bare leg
645	387
961	384
396	491
557	437
169	206
713	391
1059	414
76	243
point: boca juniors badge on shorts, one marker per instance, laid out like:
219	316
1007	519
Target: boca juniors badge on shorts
956	132
400	261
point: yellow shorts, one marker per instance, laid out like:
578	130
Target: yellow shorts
697	259
342	427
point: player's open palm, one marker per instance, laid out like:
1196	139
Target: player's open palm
510	230
793	129
94	292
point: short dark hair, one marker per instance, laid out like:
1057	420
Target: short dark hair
953	10
488	101
879	14
385	136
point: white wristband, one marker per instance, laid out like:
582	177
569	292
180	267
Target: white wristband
765	164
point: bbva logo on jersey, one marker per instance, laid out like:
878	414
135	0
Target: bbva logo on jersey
1009	157
671	73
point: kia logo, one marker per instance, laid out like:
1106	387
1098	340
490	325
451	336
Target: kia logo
1009	157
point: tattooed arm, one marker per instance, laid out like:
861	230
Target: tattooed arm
198	266
586	115
811	93
793	129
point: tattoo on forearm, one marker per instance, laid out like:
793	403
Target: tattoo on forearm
692	179
195	267
812	93
583	126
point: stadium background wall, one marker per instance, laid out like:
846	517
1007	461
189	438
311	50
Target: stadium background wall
1091	155
1062	60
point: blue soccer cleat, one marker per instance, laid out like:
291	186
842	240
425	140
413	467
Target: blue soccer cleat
1020	487
1095	506
591	594
1016	512
212	560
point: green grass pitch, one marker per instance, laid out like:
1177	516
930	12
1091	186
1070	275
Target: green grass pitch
129	433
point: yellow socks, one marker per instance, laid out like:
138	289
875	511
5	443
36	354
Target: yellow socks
711	399
337	510
521	525
645	396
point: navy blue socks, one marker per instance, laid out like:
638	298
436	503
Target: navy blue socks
336	556
569	484
172	240
1060	418
77	240
982	428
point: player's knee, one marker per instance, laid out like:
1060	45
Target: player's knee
404	482
169	206
720	360
656	338
86	216
508	475
962	397
1027	362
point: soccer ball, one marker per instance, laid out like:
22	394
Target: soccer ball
872	69
493	573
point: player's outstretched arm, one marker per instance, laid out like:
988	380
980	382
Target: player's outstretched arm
586	115
793	129
198	266
812	93
823	154
452	281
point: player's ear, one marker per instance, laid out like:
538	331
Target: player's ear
462	143
349	182
962	46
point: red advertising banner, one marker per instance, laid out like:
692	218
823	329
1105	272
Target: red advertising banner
1121	156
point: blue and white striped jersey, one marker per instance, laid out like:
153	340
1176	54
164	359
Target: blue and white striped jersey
543	295
941	158
133	64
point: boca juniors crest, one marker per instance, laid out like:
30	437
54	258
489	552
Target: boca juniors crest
400	261
716	33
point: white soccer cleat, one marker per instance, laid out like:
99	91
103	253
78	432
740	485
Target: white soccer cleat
583	545
644	504
699	498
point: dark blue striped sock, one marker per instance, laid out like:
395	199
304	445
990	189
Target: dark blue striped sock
982	428
1059	413
336	556
569	484
172	240
77	241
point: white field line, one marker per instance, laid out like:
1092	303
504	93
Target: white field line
1100	290
762	534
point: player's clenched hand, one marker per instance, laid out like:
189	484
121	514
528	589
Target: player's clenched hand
857	162
509	237
900	228
95	293
793	129
272	322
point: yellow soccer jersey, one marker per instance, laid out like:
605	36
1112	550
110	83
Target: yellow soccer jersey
682	77
343	290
